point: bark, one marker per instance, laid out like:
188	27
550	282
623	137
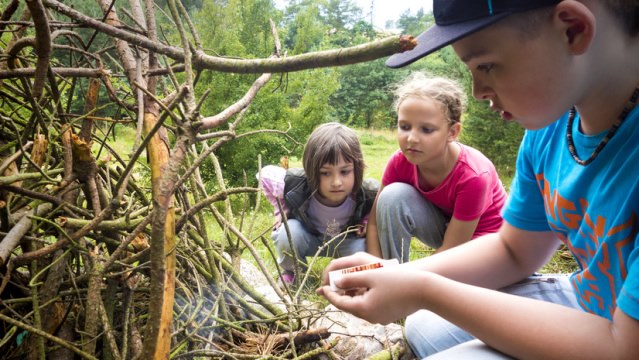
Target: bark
92	308
122	46
157	338
64	72
8	12
12	239
337	57
89	106
42	45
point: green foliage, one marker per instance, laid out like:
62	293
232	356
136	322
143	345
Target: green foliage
497	139
415	24
364	98
306	31
309	93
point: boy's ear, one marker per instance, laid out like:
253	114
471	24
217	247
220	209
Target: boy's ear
577	23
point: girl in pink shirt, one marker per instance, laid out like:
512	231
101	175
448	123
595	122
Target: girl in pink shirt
435	189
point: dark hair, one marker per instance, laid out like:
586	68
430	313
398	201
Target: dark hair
327	144
626	11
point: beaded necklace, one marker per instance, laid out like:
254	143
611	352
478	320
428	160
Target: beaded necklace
571	117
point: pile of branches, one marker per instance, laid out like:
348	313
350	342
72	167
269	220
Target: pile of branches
106	255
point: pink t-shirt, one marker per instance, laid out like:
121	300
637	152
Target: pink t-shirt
472	189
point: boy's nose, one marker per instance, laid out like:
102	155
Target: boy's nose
482	91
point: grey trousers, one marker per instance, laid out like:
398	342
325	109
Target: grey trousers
403	213
433	337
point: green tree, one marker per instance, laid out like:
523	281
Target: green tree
414	24
364	98
299	99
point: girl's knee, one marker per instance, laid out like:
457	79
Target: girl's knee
396	194
280	236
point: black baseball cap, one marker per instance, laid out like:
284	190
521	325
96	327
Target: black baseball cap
455	19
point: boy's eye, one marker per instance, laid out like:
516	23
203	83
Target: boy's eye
485	67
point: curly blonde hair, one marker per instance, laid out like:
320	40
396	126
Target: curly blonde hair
445	91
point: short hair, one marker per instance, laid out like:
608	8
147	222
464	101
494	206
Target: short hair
528	22
327	144
627	12
445	91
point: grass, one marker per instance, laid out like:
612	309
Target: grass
377	146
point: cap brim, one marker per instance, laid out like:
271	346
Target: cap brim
439	36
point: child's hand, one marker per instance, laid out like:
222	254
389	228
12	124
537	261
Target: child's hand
360	258
360	230
376	297
277	222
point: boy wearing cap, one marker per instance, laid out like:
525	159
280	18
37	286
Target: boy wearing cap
536	61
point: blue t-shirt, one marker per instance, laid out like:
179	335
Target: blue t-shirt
592	209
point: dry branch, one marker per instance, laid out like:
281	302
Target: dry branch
338	57
12	239
42	45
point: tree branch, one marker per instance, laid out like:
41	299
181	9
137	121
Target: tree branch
336	57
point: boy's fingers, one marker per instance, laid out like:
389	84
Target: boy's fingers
353	281
360	258
338	299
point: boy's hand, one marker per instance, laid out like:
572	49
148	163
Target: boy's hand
360	258
376	297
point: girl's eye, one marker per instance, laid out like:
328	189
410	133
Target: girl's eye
404	127
324	173
485	68
427	130
346	172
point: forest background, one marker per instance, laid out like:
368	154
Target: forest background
130	136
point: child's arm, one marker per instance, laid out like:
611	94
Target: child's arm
518	326
272	184
457	233
372	241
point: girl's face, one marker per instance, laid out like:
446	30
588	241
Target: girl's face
527	80
336	182
423	131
